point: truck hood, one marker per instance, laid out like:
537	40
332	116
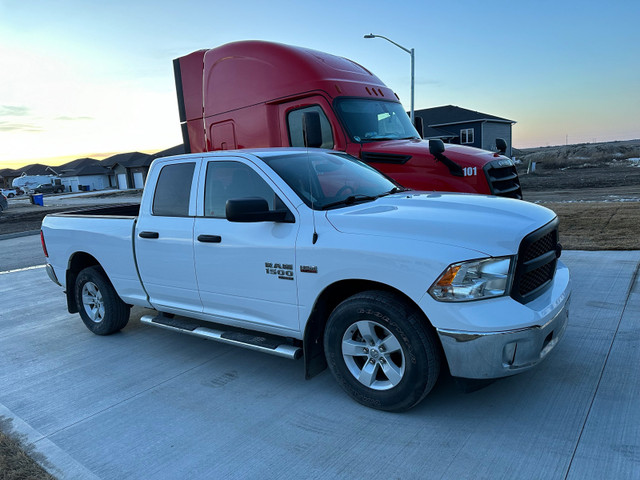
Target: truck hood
395	150
490	225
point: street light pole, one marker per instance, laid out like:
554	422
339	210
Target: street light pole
410	52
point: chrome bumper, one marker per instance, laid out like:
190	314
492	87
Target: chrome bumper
52	275
500	354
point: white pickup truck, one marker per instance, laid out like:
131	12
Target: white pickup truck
312	253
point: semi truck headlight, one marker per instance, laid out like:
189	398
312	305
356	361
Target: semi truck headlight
473	280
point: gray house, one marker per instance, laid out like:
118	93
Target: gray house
128	170
84	174
467	127
176	150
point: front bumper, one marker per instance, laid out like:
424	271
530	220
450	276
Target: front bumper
504	353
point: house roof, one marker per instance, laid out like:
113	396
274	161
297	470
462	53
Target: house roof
78	163
130	160
177	150
450	115
82	166
33	169
91	166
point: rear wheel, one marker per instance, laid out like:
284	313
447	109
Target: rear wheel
100	307
381	351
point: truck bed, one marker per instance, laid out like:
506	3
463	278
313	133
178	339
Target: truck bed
102	235
118	210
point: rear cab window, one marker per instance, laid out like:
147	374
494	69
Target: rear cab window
173	190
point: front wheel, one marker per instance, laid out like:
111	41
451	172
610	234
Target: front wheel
101	309
381	351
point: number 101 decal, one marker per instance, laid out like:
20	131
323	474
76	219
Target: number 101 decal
470	171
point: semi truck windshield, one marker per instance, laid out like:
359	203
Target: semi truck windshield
373	120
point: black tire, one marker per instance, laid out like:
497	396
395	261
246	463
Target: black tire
100	307
397	357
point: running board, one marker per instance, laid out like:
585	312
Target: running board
272	345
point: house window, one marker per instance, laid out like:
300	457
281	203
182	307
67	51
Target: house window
466	135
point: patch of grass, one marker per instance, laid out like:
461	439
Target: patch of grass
598	225
17	457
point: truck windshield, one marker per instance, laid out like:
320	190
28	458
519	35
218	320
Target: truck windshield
373	120
325	180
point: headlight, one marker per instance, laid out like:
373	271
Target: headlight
473	280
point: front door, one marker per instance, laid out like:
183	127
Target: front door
245	271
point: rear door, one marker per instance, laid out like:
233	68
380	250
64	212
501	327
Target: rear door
164	239
245	271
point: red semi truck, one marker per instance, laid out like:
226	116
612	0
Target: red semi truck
252	94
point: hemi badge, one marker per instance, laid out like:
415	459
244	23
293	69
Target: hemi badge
308	269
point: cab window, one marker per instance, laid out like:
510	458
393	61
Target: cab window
173	190
234	180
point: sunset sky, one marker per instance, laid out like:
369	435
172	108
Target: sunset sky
89	78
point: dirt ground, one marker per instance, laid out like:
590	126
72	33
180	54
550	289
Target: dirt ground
22	216
598	206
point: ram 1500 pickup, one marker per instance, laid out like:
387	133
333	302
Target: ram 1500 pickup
312	253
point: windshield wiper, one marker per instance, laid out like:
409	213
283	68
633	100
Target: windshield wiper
393	190
350	200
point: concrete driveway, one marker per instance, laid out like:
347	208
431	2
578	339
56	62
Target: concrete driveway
147	403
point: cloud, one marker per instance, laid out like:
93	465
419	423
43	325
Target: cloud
13	111
19	127
67	118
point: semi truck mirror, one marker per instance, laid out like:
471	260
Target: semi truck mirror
501	145
436	147
311	130
419	126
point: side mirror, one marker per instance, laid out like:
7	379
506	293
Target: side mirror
501	145
436	147
419	126
311	129
255	209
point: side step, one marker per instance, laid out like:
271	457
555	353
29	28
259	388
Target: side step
259	342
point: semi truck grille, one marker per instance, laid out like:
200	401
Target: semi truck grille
537	258
503	179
